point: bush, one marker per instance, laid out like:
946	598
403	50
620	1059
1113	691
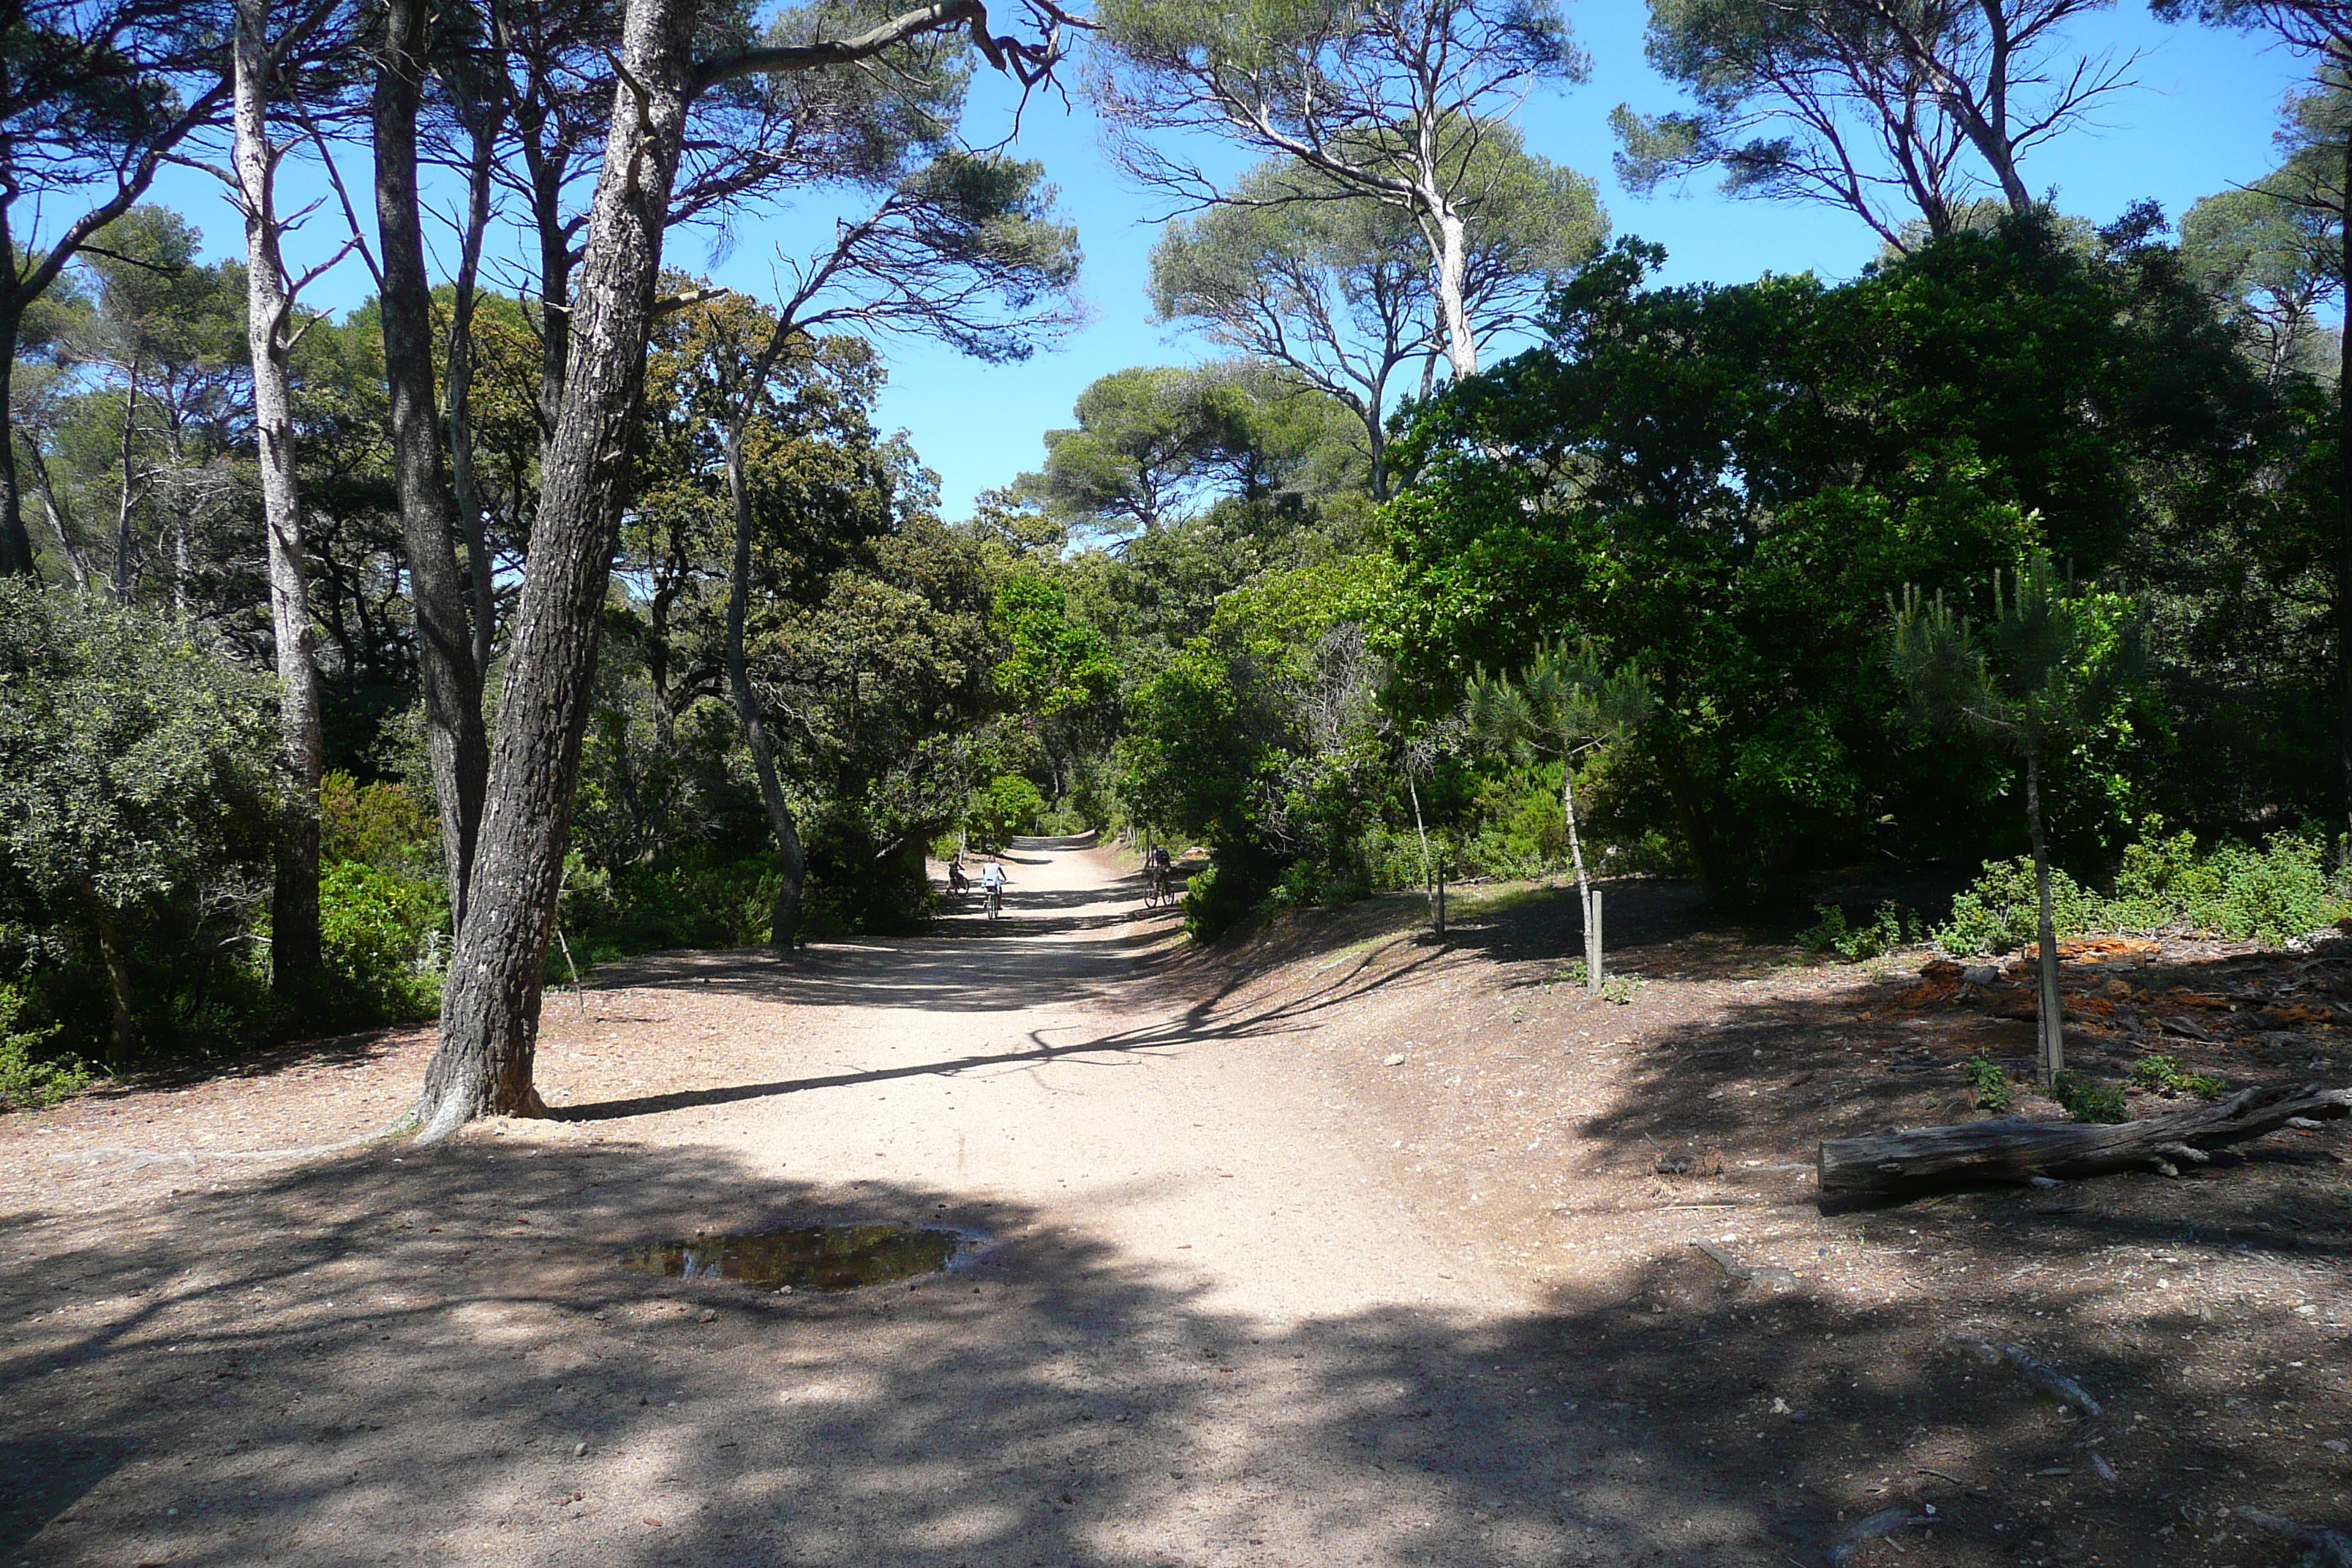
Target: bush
2088	1101
2163	1074
1998	912
2269	895
26	1080
2272	894
1221	896
138	793
385	824
386	938
1008	805
1990	1080
1890	930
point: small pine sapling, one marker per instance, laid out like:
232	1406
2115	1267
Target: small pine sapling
1564	704
2051	664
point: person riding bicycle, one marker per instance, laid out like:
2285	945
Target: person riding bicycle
1157	867
957	881
991	882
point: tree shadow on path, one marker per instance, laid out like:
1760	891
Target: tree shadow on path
399	1357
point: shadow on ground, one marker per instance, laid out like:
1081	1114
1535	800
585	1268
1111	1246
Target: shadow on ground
399	1358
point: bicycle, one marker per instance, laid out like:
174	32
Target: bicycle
1155	891
995	899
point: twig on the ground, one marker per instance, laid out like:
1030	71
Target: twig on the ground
2047	1378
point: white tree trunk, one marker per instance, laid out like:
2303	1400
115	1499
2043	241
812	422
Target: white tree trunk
294	933
1452	258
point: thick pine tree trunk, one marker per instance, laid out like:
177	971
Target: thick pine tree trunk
15	539
2344	521
457	746
294	906
490	1015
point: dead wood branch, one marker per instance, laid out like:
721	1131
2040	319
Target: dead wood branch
2015	1149
2040	1374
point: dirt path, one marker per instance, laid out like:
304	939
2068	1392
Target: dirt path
1205	1329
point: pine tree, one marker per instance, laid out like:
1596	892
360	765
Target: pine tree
2050	667
1564	704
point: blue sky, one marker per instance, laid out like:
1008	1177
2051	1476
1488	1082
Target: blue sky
2201	121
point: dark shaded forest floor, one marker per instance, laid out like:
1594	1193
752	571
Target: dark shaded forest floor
1334	1244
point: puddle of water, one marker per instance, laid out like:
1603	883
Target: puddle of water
807	1257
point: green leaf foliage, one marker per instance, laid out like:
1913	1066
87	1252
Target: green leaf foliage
1726	483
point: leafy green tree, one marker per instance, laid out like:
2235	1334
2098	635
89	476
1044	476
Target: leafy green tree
1869	105
137	788
1719	483
138	462
1339	292
2267	252
1405	106
2319	179
1564	704
90	111
2052	664
1146	439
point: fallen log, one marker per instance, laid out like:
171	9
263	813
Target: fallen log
2015	1149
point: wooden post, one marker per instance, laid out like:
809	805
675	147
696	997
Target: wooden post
1593	965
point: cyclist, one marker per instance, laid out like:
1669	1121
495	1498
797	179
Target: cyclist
1156	869
958	883
992	880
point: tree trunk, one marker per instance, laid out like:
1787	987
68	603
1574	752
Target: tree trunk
2051	1023
2015	1149
15	539
457	747
1583	883
269	307
123	592
792	861
122	1023
1453	269
490	1015
2344	520
466	292
1428	866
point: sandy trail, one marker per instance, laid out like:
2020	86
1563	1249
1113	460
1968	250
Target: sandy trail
1205	1331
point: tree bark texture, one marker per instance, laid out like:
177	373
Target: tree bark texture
15	539
2050	1021
460	391
2015	1149
294	905
457	745
792	861
2344	520
490	1015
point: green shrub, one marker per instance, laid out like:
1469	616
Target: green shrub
26	1079
1891	929
1998	912
2088	1101
2164	1073
385	937
1619	987
385	824
2270	894
1220	896
1010	804
1990	1080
